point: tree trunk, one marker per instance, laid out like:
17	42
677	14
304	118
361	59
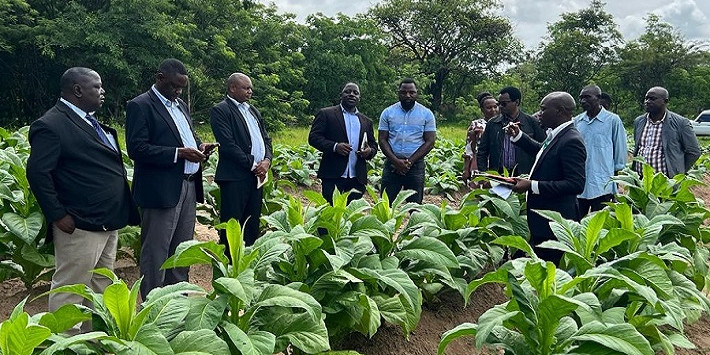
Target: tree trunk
436	88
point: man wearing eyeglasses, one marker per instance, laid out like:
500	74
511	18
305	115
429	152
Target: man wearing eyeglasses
496	151
407	133
664	139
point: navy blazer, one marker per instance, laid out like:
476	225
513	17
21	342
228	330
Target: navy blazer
151	139
71	171
232	133
328	128
560	173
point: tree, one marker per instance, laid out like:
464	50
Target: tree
446	36
577	48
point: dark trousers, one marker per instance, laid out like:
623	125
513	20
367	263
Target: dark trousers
587	206
343	185
241	200
393	183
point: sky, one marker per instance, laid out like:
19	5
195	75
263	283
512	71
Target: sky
531	17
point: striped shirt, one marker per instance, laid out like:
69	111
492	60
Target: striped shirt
651	146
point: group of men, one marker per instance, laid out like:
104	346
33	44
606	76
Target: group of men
76	170
571	160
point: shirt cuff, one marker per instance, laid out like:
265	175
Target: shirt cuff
517	136
534	187
335	146
176	154
253	165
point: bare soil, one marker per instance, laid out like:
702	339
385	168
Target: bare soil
389	340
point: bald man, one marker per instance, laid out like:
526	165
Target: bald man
664	139
245	155
76	172
557	175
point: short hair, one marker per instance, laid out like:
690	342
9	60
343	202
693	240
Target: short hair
349	83
73	76
605	96
482	97
172	66
513	92
407	81
234	78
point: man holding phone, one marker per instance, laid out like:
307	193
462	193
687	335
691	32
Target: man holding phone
167	176
347	140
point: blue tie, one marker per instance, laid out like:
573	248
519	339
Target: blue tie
99	131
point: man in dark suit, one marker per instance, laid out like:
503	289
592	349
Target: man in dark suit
76	173
244	157
167	178
558	173
346	138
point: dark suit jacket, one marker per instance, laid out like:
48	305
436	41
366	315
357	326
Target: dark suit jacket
328	129
151	139
231	132
490	146
561	176
72	172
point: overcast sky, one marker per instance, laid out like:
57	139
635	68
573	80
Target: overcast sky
530	17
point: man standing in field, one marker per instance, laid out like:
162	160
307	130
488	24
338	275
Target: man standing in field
663	138
605	141
346	138
557	175
76	173
167	177
407	133
245	155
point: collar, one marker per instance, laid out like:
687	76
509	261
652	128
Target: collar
346	112
512	119
552	133
649	120
162	98
239	104
410	110
76	110
601	116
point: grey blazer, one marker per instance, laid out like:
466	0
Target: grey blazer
680	146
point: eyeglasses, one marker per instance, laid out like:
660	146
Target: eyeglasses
503	103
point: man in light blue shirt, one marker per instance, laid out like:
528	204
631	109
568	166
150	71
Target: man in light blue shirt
605	140
407	133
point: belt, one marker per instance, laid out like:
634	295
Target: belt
188	177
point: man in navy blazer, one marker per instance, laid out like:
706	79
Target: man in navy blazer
558	172
167	177
338	132
76	172
245	155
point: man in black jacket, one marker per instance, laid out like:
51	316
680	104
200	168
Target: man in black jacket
167	177
346	138
495	150
245	155
76	173
557	175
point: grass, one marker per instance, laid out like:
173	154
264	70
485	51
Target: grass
296	136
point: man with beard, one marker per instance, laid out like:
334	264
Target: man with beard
663	138
407	133
605	141
346	138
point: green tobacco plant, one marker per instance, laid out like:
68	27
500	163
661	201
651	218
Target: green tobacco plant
250	316
23	251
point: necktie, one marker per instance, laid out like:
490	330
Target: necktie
99	131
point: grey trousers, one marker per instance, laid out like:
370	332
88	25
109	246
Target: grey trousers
162	230
75	255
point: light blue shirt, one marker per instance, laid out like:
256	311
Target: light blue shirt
406	128
352	127
188	139
83	114
258	151
605	139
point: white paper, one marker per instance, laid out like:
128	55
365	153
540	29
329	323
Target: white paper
363	141
502	191
260	182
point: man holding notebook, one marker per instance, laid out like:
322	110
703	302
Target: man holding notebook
346	138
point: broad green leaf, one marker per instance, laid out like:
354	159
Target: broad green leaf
541	276
116	299
461	330
148	341
517	242
278	295
232	287
170	316
371	316
199	341
623	338
594	232
19	337
307	334
26	229
255	343
195	252
430	250
177	290
498	276
64	318
490	319
60	343
205	313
